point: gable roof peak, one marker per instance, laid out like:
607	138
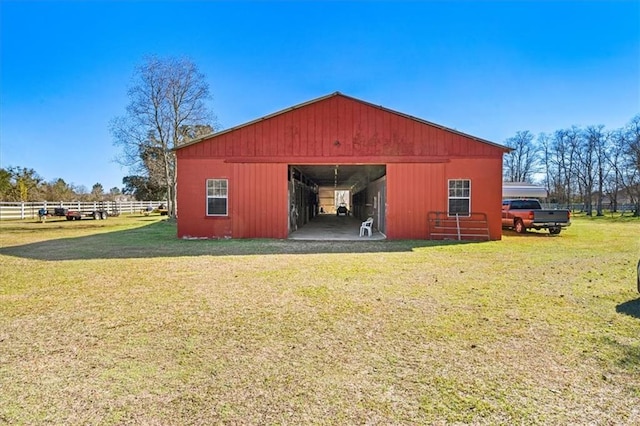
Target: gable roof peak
335	94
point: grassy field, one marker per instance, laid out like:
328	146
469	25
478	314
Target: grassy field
119	322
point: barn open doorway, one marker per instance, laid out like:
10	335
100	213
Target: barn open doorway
319	194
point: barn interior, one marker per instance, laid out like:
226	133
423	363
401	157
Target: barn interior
316	192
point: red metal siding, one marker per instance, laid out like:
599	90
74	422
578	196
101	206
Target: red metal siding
413	189
257	203
260	201
486	188
192	199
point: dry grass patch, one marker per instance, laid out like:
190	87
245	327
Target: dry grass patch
119	322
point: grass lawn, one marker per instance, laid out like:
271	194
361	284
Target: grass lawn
119	322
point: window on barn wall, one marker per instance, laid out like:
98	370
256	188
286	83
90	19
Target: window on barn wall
459	197
217	197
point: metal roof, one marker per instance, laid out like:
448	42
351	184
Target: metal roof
522	190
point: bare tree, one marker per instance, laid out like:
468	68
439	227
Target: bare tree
167	96
555	161
551	167
585	167
562	148
593	171
613	182
628	167
521	163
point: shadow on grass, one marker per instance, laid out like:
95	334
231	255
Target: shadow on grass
631	308
627	355
158	239
530	234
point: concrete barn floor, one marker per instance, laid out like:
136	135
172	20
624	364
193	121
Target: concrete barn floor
329	227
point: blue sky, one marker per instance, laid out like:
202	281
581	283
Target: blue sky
485	68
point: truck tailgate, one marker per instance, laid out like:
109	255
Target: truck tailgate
557	216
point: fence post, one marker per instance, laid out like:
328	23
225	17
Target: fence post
22	210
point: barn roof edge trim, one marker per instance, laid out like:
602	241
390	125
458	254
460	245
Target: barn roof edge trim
334	94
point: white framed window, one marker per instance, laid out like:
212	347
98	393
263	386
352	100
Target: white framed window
459	197
217	197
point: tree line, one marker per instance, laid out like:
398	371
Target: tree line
23	184
591	165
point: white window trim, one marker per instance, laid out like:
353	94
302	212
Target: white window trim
449	198
207	197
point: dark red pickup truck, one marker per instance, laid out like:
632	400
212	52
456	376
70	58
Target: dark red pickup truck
529	214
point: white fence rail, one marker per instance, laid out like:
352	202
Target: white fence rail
16	211
579	207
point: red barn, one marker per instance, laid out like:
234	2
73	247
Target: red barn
265	178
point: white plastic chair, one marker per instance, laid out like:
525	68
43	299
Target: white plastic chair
366	227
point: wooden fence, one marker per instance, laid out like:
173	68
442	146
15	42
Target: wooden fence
18	210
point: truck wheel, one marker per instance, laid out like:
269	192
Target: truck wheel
69	217
555	231
519	227
103	215
96	215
